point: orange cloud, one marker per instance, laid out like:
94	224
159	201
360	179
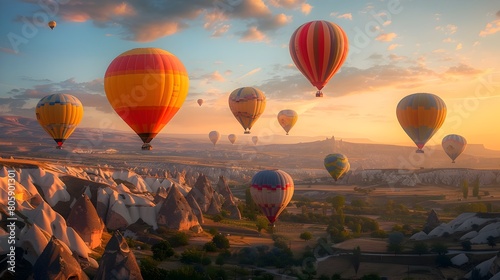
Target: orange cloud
253	34
459	46
393	46
386	37
491	28
76	17
123	9
306	8
345	16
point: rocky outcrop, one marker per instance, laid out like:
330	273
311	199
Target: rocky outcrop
118	261
84	220
56	262
196	209
229	203
175	212
432	222
205	195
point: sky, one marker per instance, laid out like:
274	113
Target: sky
396	48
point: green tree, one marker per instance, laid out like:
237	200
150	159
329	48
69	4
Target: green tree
371	276
221	241
465	188
439	248
179	239
492	241
261	223
306	235
162	250
475	187
466	245
420	248
337	202
356	259
191	255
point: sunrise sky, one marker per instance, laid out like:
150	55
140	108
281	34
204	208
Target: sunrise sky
449	48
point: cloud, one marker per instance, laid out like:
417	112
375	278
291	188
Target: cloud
214	76
491	28
146	21
393	46
343	16
447	29
462	70
458	47
252	34
448	40
250	73
8	50
306	8
386	37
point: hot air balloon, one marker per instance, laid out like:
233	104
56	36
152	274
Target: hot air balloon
318	49
454	145
287	119
337	165
200	101
52	24
272	190
232	138
146	87
59	114
255	139
247	104
421	115
214	136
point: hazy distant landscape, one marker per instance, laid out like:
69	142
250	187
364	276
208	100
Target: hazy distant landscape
387	186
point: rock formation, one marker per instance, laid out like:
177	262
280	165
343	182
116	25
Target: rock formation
118	261
229	203
196	208
84	220
205	195
175	212
56	262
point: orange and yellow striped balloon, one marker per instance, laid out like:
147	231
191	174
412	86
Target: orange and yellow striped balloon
247	104
287	119
421	115
59	115
146	87
318	49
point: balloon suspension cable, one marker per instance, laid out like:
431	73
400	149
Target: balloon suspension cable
319	93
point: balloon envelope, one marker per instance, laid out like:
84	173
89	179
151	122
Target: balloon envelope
337	165
52	24
146	87
287	119
247	104
200	101
255	139
318	49
272	190
421	115
214	136
232	138
454	145
59	114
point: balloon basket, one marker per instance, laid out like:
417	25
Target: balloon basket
59	147
147	147
419	151
319	94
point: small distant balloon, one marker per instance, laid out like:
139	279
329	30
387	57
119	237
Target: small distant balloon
337	165
255	139
52	24
287	119
214	136
247	104
454	145
200	101
232	138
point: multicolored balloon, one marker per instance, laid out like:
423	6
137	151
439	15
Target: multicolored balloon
146	87
200	101
318	49
255	139
59	115
214	136
287	119
421	115
337	165
52	24
272	190
247	104
454	145
232	138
